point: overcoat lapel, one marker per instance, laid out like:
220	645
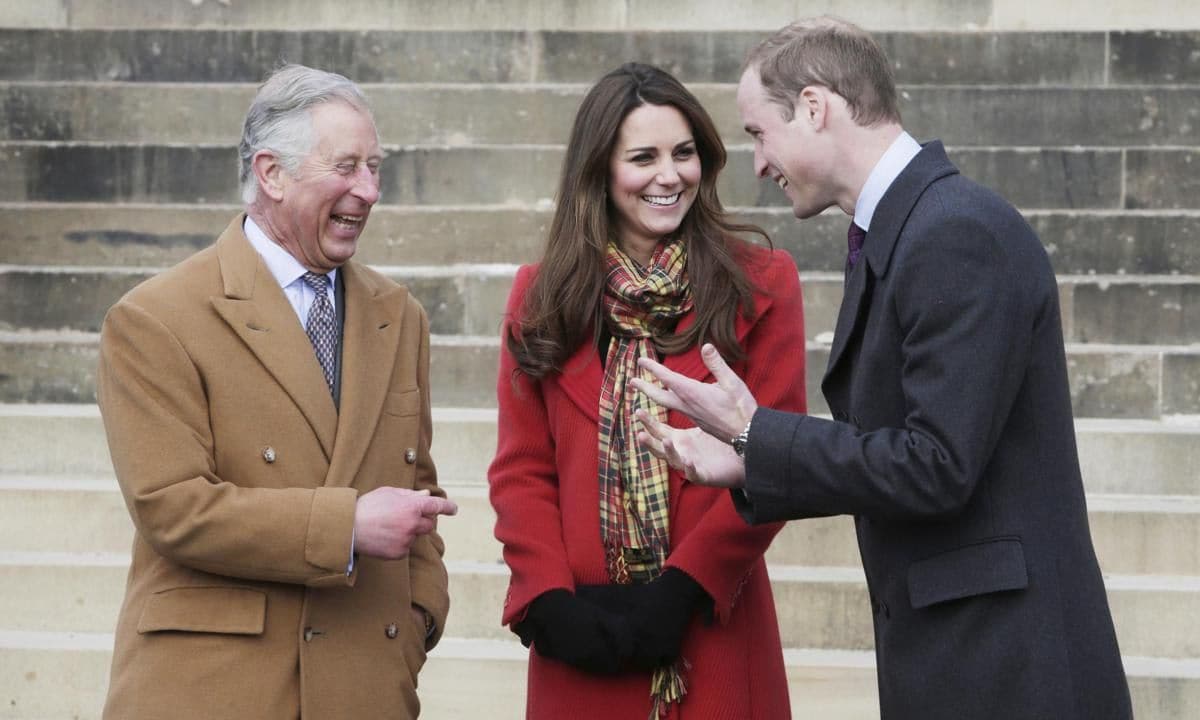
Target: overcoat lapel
255	308
848	316
890	215
370	339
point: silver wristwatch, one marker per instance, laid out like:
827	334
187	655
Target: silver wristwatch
739	441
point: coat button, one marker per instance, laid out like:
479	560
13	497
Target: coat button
391	631
269	454
309	633
410	456
840	416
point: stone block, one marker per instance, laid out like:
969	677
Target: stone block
1132	457
1141	312
1114	384
1079	243
52	439
1120	243
21	14
159	236
125	113
50	371
1181	386
1162	179
462	176
1105	382
456	115
692	57
1053	117
118	173
1048	178
1037	14
512	52
996	58
44	681
56	300
1155	57
199	55
512	175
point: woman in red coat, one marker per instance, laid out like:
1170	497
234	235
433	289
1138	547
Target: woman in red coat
641	595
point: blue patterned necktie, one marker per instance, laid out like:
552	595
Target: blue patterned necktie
855	237
322	326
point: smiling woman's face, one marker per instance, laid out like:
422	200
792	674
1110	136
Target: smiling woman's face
654	174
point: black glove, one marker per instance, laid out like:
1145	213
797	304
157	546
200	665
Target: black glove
661	614
581	634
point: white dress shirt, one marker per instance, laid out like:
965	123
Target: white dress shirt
288	272
897	157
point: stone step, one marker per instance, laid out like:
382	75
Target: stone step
1118	457
819	607
1033	178
472	114
469	299
1134	534
66	675
1125	242
1107	381
525	54
1013	15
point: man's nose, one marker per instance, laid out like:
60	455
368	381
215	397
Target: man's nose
366	185
760	163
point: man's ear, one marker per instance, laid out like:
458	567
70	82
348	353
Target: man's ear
812	105
269	173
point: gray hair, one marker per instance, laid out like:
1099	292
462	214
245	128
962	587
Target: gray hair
279	120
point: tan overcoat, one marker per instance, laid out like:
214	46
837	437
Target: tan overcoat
241	478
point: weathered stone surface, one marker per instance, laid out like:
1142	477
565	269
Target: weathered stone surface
159	236
1115	384
999	58
500	55
1112	383
1120	243
460	114
55	301
1143	312
1079	243
1158	57
118	173
1162	179
248	56
304	15
1181	388
48	372
1053	117
1060	179
469	300
124	112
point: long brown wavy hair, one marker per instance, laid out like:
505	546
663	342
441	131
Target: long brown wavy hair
563	304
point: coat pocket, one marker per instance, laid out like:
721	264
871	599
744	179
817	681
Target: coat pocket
405	402
989	566
229	610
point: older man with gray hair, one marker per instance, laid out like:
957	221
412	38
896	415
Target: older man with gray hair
267	408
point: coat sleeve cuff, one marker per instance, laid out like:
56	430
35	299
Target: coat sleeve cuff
328	543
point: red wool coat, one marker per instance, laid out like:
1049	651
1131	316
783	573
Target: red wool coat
544	487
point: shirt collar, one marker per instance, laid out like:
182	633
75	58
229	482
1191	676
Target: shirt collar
280	262
897	157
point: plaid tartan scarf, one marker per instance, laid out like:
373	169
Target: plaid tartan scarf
639	303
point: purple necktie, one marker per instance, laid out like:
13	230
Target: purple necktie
854	240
